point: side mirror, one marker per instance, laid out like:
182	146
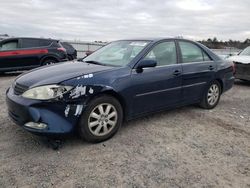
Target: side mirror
145	63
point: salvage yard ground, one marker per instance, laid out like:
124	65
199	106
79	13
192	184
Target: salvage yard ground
186	147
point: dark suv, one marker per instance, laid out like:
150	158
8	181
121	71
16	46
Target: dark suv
28	53
71	51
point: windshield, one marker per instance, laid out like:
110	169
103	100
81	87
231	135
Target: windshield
246	51
118	53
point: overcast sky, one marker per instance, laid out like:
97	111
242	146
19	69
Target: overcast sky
106	20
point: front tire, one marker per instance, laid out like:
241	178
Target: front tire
101	119
211	96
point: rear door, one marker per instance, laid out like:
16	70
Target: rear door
157	87
198	70
9	54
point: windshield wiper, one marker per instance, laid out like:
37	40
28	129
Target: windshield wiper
95	62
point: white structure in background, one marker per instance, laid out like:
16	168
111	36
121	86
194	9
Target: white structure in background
226	51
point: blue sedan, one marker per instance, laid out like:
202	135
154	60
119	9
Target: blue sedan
121	81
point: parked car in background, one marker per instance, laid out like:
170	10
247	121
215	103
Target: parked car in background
71	51
223	56
242	64
123	80
28	53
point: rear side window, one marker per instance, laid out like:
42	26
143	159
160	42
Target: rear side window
192	53
30	43
34	43
10	45
163	53
45	42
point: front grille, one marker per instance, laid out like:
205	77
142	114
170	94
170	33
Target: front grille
19	89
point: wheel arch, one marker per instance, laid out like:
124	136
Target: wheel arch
221	84
43	59
114	94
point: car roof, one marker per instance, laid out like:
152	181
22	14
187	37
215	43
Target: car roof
156	39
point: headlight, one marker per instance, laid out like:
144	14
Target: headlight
46	92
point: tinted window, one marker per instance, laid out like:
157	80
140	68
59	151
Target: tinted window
163	53
192	53
45	42
34	43
30	43
11	45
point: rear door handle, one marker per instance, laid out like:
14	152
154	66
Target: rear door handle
176	73
211	67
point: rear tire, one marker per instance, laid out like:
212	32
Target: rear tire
101	119
211	96
70	58
49	62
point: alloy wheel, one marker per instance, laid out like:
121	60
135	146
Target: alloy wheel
102	119
213	94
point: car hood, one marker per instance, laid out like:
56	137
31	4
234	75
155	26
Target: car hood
240	59
57	73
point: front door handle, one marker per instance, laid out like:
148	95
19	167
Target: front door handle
211	67
176	73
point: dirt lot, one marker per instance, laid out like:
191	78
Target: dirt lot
186	147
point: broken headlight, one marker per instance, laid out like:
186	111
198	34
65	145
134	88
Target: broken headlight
46	92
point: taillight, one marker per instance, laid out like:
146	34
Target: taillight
61	49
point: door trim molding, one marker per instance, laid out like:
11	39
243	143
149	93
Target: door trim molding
170	89
157	91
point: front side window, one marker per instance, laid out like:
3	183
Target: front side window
192	53
11	45
118	53
163	53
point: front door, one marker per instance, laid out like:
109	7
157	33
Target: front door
157	87
9	54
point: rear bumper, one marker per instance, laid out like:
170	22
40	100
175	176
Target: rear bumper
22	111
228	82
242	76
242	71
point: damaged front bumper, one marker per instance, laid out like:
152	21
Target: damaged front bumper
242	71
49	118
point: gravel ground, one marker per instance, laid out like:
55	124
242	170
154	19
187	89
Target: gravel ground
185	147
